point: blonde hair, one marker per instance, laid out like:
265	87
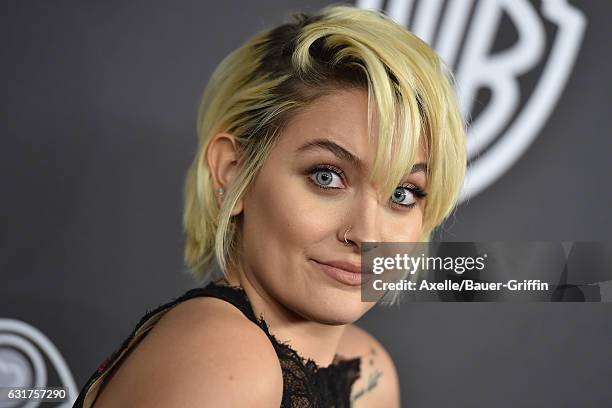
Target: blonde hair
259	87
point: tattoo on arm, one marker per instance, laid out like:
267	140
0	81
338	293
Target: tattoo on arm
373	375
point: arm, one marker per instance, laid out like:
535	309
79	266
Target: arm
378	384
200	354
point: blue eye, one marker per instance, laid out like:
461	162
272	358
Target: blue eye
403	196
406	196
326	178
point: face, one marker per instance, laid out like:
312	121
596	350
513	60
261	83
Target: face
312	187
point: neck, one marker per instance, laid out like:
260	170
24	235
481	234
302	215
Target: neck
312	340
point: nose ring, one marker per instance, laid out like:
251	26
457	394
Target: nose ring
346	232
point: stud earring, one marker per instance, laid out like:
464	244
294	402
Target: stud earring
220	190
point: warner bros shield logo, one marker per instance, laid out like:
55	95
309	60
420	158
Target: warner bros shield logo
463	32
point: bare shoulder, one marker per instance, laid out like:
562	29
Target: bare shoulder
378	384
203	352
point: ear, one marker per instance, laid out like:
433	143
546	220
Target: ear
222	157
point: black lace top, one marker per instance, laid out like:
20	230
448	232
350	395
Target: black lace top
305	385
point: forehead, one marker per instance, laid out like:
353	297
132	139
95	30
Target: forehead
341	116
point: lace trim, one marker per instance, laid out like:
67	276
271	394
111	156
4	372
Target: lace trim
306	384
262	323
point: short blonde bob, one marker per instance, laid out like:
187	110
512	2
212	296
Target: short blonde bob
259	87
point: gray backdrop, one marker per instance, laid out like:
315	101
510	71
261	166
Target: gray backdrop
98	107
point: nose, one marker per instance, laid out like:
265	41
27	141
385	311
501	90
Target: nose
363	221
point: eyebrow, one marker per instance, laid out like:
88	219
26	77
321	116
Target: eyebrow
338	151
343	154
419	167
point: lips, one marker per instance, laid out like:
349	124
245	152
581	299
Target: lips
347	266
345	272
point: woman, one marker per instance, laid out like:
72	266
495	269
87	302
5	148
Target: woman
314	137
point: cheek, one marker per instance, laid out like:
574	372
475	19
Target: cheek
407	228
280	212
415	226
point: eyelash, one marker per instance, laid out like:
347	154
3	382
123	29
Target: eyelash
416	191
